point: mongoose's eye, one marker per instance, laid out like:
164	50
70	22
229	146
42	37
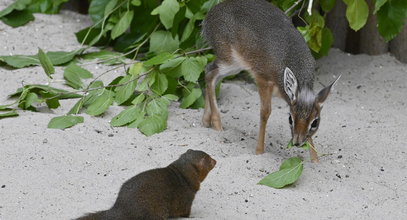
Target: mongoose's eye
290	120
314	124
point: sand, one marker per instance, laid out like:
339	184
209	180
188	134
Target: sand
55	174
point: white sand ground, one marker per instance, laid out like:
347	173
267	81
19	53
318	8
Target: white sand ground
54	174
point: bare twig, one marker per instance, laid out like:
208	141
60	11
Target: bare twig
197	51
292	7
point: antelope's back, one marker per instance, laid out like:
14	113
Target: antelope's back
263	35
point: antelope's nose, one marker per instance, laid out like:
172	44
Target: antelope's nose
296	144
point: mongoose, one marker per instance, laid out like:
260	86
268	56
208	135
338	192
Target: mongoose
161	193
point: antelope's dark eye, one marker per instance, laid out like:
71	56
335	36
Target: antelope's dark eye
290	120
314	123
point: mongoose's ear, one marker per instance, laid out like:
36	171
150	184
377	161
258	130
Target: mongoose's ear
290	85
323	94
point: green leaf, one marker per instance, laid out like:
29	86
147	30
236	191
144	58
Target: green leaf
126	116
170	97
46	63
56	57
291	162
17	5
106	57
20	61
192	68
167	11
290	171
46	91
173	67
209	4
92	36
160	84
357	13
391	18
159	59
46	6
62	122
162	41
12	113
73	75
136	2
327	41
290	144
138	99
123	93
110	6
17	18
327	5
157	106
153	124
77	107
30	99
138	120
191	98
62	57
136	68
52	103
97	10
147	81
306	146
6	107
101	103
188	30
123	24
378	5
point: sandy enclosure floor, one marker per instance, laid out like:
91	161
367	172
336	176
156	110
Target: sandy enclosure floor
53	174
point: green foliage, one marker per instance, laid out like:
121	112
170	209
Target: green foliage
63	122
356	13
18	18
56	57
391	16
73	75
289	172
46	63
6	112
327	5
21	11
158	44
167	11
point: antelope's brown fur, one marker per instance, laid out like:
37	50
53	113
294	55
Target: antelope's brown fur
256	36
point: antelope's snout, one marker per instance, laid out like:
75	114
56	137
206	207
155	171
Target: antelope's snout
299	133
299	140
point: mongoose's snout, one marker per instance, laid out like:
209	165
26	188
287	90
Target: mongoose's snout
213	163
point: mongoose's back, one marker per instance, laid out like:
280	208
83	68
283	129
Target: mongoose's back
160	193
263	35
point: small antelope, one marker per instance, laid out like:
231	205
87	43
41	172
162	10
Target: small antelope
256	36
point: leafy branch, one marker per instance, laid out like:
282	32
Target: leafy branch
167	54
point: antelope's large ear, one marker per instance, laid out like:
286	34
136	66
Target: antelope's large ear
323	94
290	85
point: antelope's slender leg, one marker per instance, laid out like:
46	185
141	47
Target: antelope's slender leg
265	92
209	77
313	154
211	117
206	118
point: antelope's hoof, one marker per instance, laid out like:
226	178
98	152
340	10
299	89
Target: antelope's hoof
315	160
206	122
217	125
259	151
